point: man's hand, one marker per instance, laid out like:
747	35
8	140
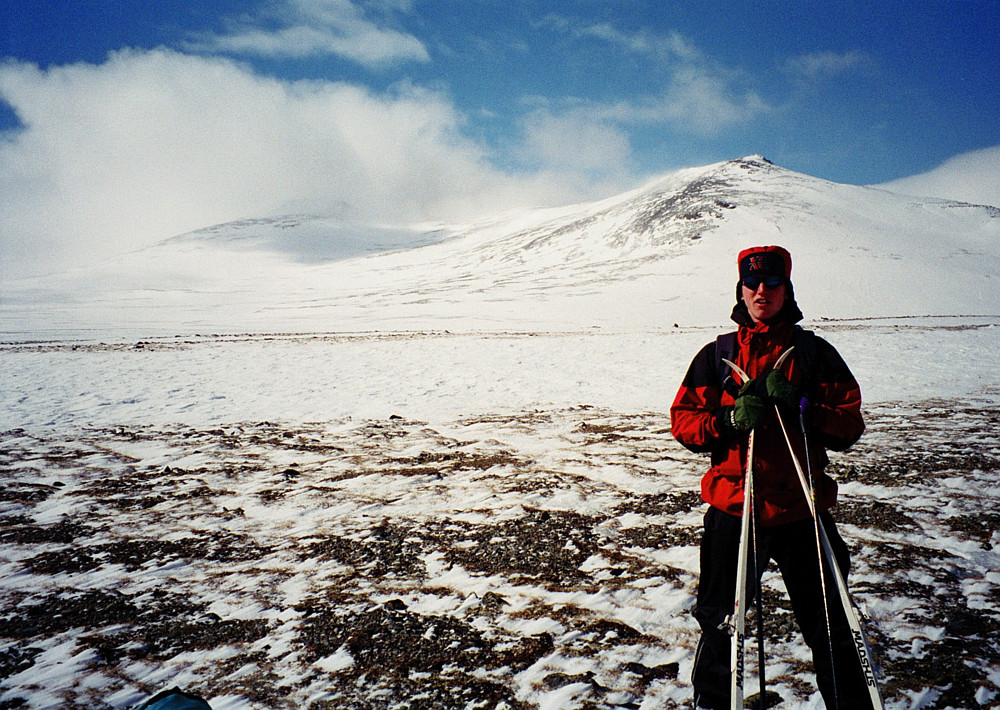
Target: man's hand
780	390
746	413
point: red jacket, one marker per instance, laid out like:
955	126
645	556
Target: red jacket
834	420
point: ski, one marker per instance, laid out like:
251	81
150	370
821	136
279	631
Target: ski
744	377
738	620
759	596
738	370
819	554
860	640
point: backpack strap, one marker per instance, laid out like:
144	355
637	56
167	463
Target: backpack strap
805	353
725	348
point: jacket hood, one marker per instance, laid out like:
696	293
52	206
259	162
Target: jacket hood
789	313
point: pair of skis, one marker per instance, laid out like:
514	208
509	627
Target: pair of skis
824	551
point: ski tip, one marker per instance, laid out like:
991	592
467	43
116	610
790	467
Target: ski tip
784	356
745	377
736	368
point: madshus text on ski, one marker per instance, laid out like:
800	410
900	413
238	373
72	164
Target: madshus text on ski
767	402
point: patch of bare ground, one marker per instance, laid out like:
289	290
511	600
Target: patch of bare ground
383	564
544	546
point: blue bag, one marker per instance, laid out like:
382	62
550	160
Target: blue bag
174	699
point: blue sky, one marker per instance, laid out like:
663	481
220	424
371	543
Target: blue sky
126	122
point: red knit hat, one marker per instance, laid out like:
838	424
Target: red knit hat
764	262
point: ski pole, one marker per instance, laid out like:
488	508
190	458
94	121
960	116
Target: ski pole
750	511
811	497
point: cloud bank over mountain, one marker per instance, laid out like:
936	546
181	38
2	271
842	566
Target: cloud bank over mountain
125	124
151	144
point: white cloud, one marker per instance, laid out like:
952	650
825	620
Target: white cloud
152	144
576	143
309	28
820	64
694	102
700	96
699	101
671	46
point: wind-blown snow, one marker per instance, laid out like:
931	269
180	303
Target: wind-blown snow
972	177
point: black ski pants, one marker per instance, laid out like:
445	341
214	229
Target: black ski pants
793	548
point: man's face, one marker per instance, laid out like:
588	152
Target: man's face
765	301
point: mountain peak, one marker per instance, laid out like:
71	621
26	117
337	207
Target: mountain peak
755	159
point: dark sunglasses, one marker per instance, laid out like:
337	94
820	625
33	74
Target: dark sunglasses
770	283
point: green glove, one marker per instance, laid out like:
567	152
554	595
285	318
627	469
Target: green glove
748	411
745	414
780	390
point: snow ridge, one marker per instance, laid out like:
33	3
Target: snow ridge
661	254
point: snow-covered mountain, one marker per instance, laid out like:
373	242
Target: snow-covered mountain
465	517
652	257
972	177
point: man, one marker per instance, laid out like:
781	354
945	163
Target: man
711	416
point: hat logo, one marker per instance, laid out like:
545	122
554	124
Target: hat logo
756	263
